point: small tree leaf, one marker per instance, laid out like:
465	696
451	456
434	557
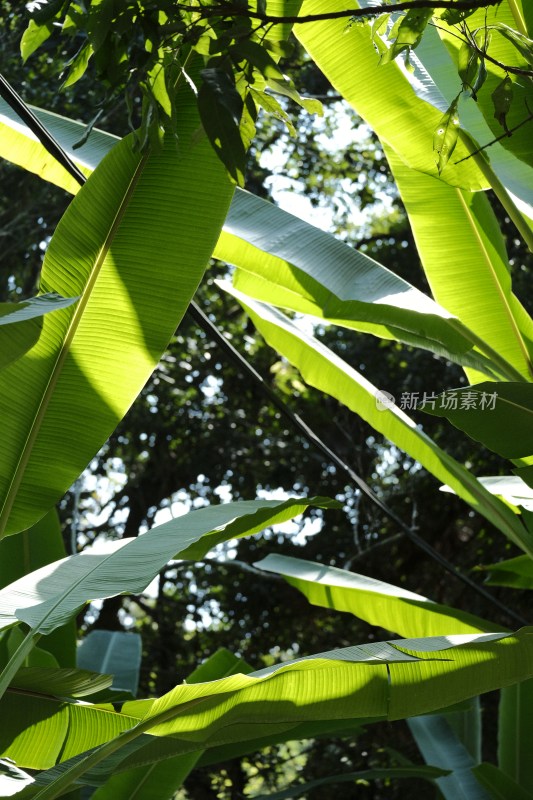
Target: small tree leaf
33	37
502	97
409	33
446	135
78	65
221	107
467	65
271	106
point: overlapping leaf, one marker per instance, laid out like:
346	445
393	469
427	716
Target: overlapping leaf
381	94
329	279
382	679
464	258
321	368
133	246
378	603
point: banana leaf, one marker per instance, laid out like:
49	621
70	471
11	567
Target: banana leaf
321	368
391	607
135	264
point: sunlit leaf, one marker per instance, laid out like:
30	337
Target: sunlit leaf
321	368
92	359
391	607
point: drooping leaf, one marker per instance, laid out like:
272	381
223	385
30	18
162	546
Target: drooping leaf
378	603
502	97
333	281
33	37
50	596
464	256
221	107
442	748
522	43
78	65
378	679
60	682
92	359
409	34
116	652
468	66
446	135
321	368
499	415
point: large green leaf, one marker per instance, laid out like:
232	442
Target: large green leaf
515	731
464	257
20	146
329	279
353	291
442	748
499	415
381	94
321	368
130	246
391	607
260	239
387	679
50	596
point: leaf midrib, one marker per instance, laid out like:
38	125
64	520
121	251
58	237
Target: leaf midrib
495	280
65	350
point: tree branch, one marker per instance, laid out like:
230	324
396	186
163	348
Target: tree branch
354	13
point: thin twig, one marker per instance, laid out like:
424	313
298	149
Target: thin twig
230	9
497	139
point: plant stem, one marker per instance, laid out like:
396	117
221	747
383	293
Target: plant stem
17	659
